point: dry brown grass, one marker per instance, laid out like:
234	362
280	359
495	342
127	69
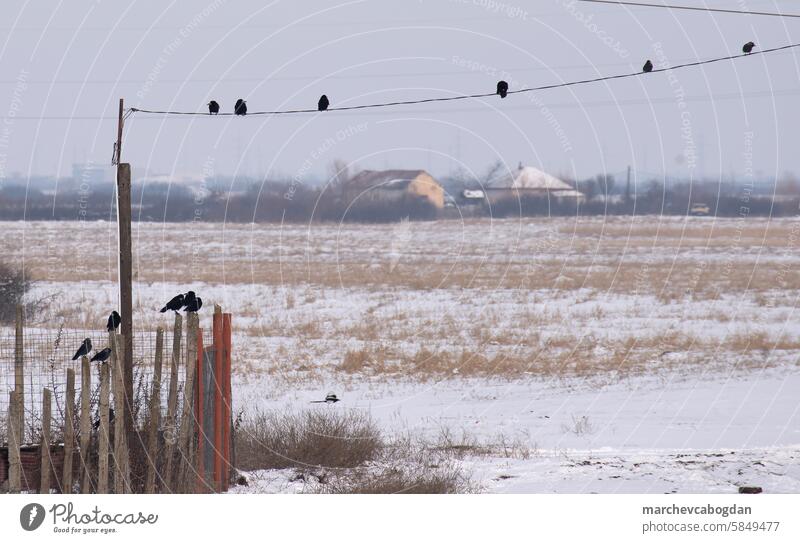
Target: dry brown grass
562	254
317	438
571	356
402	481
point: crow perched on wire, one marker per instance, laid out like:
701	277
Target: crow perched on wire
113	321
194	304
648	67
102	356
502	88
330	398
84	349
240	108
748	48
323	103
174	304
213	107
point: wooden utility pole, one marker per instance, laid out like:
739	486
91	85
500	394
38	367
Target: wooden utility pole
125	276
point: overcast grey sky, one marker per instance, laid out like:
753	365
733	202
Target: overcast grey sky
70	62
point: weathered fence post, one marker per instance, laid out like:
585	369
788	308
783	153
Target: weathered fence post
206	416
121	473
19	371
14	461
86	423
219	399
44	448
187	480
102	448
69	433
170	425
227	408
155	417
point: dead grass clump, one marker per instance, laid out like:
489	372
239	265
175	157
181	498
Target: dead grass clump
399	481
364	361
321	438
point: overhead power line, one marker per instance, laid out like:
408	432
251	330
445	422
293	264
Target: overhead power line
479	95
693	8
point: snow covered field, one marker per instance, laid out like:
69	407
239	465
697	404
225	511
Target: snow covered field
593	355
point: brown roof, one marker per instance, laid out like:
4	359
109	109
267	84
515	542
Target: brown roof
385	179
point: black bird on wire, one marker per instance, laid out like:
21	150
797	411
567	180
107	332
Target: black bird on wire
213	107
113	321
175	304
323	103
84	349
240	108
330	398
748	48
102	356
648	67
502	88
194	304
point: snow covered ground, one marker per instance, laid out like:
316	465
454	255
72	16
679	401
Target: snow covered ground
592	355
672	434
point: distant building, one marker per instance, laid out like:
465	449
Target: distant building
394	185
472	196
530	181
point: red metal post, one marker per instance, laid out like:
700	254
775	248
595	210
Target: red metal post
218	400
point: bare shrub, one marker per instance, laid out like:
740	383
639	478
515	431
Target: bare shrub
399	481
580	426
326	438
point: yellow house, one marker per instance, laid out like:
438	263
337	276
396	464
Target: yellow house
395	185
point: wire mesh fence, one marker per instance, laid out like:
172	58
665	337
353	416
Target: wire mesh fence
47	355
190	413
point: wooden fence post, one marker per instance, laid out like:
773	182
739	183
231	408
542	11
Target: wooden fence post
227	419
19	371
86	423
69	433
44	448
170	425
186	441
121	473
14	461
102	449
155	417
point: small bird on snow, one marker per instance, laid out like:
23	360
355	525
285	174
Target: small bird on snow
330	398
502	88
84	349
323	103
748	48
240	108
113	321
175	304
213	107
648	67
